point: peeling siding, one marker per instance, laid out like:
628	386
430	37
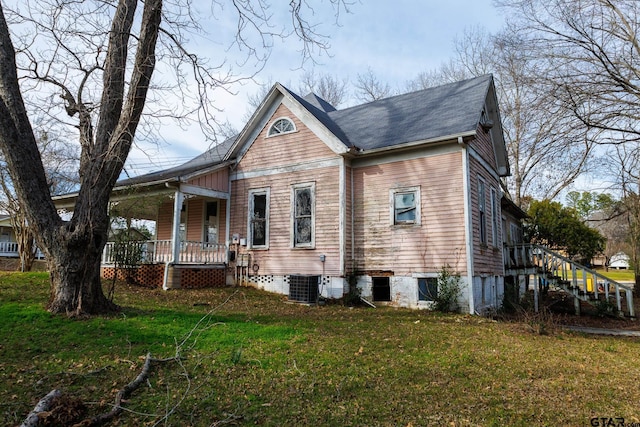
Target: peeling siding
439	240
487	258
281	258
300	148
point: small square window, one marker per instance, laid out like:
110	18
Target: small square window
405	206
427	289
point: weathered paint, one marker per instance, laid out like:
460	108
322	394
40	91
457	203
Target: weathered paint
404	249
277	163
195	219
483	145
218	180
296	148
487	258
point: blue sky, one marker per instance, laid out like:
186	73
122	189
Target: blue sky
397	39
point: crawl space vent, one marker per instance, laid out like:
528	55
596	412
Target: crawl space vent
303	288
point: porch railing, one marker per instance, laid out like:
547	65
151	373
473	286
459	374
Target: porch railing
9	249
583	282
160	251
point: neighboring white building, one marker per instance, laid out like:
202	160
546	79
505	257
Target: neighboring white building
619	261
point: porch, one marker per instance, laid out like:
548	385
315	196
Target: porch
162	252
10	250
161	264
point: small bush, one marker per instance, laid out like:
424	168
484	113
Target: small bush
449	287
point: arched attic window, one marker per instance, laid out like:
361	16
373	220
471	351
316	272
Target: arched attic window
281	126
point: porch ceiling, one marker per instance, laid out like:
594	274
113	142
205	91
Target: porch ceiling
140	206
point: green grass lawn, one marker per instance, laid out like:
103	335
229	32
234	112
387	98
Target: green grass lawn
617	275
248	357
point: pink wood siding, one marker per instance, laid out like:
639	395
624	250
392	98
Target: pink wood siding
281	258
484	147
163	223
438	241
218	180
487	259
295	149
195	218
292	148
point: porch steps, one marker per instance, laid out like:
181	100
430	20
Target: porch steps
553	270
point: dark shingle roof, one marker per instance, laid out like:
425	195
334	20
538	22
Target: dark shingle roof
428	114
207	159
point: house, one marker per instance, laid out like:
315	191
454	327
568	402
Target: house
620	261
308	201
8	243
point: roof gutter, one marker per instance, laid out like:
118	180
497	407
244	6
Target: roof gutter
447	138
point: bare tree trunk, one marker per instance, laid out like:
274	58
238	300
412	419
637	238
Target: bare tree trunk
74	248
74	265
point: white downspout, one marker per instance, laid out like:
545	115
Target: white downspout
343	216
468	225
227	237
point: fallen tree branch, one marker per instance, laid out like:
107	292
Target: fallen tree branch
123	395
43	405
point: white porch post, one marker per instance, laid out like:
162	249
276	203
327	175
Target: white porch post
175	236
175	233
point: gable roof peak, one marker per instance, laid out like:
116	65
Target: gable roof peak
318	102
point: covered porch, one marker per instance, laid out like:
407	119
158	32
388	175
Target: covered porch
185	212
189	243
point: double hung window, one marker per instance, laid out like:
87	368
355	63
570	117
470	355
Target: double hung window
303	215
259	218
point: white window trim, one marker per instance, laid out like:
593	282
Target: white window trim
253	192
482	220
292	234
392	206
495	215
205	220
270	135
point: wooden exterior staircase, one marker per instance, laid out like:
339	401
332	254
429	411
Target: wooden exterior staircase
551	270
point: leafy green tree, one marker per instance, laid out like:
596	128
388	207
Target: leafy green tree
561	228
586	202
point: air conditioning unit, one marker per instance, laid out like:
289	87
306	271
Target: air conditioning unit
303	288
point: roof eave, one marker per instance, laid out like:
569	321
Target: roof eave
407	145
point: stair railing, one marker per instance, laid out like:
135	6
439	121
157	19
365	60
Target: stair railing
555	265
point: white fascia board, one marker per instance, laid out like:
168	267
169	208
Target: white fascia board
256	123
204	192
310	121
297	167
